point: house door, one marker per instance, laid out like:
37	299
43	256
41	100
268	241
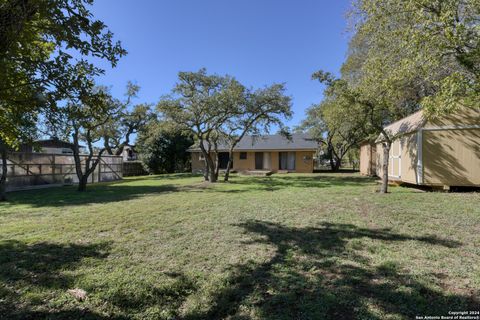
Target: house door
291	161
258	160
223	158
267	160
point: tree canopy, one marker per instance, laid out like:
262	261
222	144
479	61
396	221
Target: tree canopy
163	147
217	108
427	51
39	40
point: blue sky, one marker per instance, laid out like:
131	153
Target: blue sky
259	42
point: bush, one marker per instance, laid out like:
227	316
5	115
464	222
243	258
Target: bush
163	148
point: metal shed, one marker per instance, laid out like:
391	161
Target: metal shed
441	152
368	156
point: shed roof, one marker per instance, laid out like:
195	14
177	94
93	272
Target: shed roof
298	141
406	125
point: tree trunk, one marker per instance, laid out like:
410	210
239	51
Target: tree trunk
106	145
386	155
91	162
3	178
333	164
206	171
331	157
213	177
210	172
82	183
89	170
229	165
337	164
217	166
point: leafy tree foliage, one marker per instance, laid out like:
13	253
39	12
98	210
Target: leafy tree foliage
117	132
335	123
200	104
216	109
37	68
38	39
434	42
257	111
372	112
85	118
163	147
408	54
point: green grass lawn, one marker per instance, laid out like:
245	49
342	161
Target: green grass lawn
319	246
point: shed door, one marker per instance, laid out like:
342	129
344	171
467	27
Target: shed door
395	164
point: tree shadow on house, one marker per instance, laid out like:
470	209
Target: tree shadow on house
440	162
315	274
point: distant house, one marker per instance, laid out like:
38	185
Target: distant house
271	153
440	152
129	153
52	146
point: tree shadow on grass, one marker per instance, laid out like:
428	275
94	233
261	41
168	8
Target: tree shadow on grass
314	274
162	300
129	190
101	193
278	182
104	193
41	267
27	271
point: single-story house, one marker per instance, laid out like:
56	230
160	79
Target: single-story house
129	153
270	152
51	146
444	151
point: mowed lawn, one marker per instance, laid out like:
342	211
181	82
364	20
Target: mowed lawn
319	246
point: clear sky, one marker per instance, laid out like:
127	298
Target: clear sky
259	42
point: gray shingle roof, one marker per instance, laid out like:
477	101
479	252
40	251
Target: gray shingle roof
299	141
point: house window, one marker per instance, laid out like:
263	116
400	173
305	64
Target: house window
286	160
243	155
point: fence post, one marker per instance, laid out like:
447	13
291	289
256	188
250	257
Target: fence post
54	176
100	170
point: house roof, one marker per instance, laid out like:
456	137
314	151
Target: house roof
406	125
48	143
55	143
298	141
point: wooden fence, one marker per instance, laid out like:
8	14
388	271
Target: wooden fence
33	170
133	168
